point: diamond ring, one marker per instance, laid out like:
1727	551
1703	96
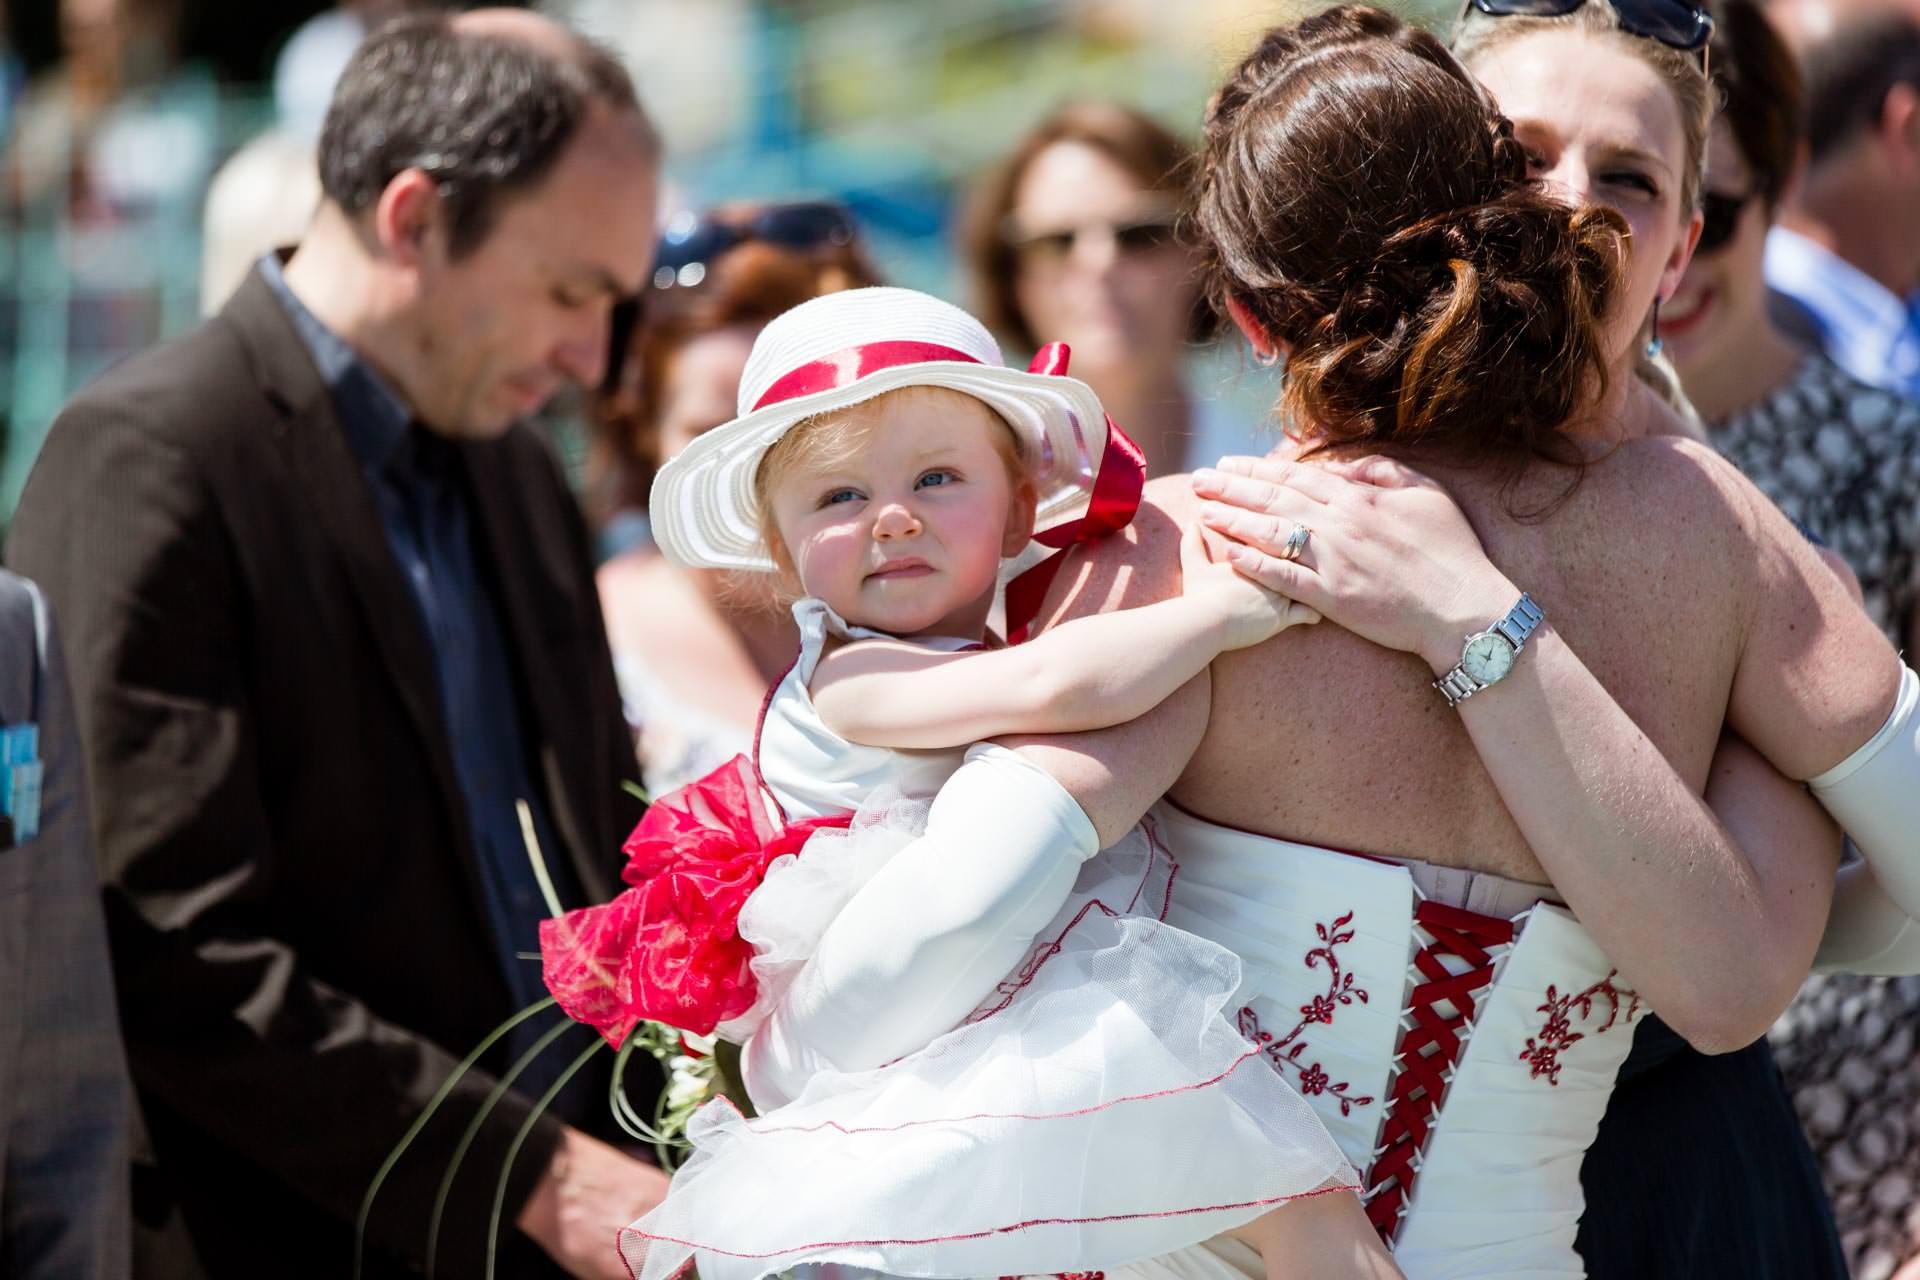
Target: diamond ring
1296	542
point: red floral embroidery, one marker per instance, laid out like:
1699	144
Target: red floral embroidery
1286	1052
669	948
1557	1035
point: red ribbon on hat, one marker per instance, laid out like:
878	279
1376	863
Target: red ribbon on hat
844	368
1116	485
1115	499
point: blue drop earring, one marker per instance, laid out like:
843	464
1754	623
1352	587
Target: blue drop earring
1654	342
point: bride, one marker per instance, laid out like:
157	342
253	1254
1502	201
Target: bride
1457	874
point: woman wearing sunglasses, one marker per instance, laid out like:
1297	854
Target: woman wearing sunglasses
1700	1167
1843	458
1071	239
695	653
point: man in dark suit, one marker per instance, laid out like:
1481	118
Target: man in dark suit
334	643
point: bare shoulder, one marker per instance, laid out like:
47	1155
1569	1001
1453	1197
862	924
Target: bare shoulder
1664	469
1677	503
1136	565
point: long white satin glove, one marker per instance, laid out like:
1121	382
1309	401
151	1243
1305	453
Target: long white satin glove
1867	931
1875	795
924	942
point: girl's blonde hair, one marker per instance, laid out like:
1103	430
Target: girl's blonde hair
827	440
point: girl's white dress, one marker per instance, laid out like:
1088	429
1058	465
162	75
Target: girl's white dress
1105	1105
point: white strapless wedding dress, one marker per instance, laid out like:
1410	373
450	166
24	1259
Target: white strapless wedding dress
1461	1051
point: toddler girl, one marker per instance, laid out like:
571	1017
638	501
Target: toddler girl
1093	1108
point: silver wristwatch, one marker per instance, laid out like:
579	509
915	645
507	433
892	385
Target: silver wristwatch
1490	654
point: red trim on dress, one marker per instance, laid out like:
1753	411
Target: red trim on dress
1429	1048
1042	952
759	727
1263	1203
761	1126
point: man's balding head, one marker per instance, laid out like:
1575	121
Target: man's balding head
490	192
482	102
534	30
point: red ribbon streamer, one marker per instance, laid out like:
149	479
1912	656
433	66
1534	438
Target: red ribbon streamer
1116	497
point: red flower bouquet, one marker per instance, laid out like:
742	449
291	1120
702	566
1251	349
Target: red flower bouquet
669	949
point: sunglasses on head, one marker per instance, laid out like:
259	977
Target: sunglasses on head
1130	236
1720	218
693	240
1674	23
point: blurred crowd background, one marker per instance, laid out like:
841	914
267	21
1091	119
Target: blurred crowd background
1008	155
154	147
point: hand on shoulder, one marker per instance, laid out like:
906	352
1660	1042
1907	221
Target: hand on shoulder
1247	610
1388	554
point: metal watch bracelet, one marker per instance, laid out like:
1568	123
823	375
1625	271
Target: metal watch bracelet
1459	684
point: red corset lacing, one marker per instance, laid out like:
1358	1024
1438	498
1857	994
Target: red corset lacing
1429	1047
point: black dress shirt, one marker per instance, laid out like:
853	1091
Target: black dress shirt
419	486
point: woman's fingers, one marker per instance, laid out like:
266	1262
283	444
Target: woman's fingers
1265	533
1378	471
1249	492
1234	476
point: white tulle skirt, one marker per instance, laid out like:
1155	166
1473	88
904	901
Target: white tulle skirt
1100	1108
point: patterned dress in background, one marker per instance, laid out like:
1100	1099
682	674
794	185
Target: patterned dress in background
1843	458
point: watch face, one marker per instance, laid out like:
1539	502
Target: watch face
1488	657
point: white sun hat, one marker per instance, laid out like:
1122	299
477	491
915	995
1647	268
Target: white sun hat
843	348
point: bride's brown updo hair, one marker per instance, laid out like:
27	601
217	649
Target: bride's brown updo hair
1366	204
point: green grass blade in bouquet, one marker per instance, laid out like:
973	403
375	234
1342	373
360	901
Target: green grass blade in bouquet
420	1122
474	1126
519	1139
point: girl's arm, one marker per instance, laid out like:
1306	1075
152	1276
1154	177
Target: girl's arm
927	938
1645	863
1095	671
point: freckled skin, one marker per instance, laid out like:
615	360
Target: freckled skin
1362	754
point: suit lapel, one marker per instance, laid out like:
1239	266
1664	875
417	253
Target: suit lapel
340	504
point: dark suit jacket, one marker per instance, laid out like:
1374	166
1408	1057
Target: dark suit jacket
294	904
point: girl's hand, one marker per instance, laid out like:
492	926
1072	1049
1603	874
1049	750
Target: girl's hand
1248	611
1390	556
